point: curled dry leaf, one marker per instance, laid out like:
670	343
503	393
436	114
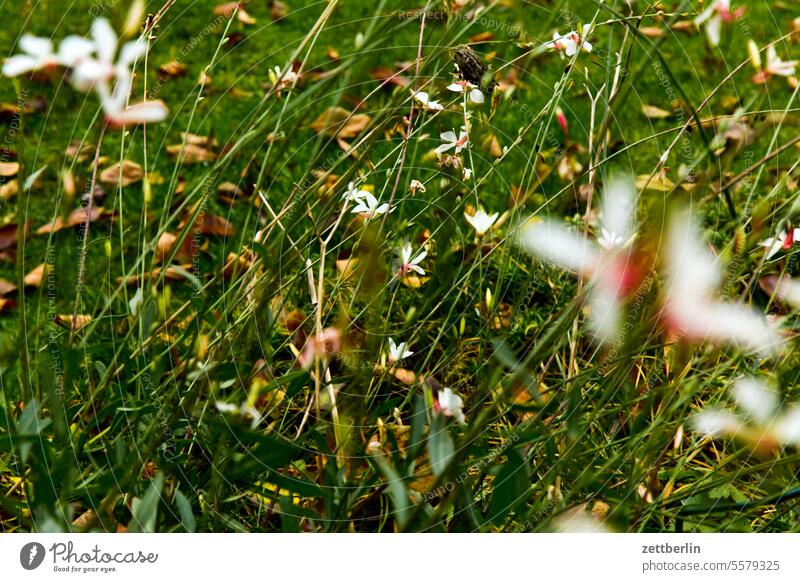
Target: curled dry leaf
208	223
35	277
9	189
195	149
340	123
122	173
73	323
653	112
173	69
8	236
389	77
277	9
651	31
173	273
8	169
76	217
7	287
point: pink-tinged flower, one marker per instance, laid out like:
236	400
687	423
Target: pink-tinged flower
38	54
782	242
327	343
572	42
416	186
280	80
102	68
691	309
562	120
474	93
450	404
715	15
612	273
369	207
761	423
775	66
424	99
406	261
451	141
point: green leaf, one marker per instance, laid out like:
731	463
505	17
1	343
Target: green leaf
510	486
145	509
397	490
185	511
440	445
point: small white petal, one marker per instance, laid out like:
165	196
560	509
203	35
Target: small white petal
36	46
553	242
716	423
755	398
19	65
105	39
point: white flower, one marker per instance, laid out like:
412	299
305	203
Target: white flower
467	173
424	99
481	221
282	80
451	404
776	66
369	207
354	193
407	262
38	54
475	94
570	43
761	423
398	352
718	12
691	309
612	274
451	141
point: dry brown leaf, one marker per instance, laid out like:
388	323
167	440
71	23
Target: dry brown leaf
332	54
277	9
683	26
173	274
385	74
8	236
244	17
76	217
493	145
340	123
8	169
73	323
481	37
346	267
164	246
191	154
208	223
173	69
34	278
7	287
653	112
405	376
122	174
6	304
9	189
225	9
651	31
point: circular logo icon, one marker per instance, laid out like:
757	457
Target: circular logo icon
31	555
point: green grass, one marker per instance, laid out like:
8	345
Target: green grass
123	411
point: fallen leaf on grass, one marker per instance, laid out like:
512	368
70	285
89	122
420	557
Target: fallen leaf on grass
340	123
35	277
390	77
76	217
8	169
653	112
122	173
7	287
9	189
659	183
173	273
277	9
8	236
208	223
73	323
6	304
173	69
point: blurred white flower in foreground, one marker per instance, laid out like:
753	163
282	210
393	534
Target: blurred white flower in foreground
474	93
692	311
718	12
611	272
450	404
369	207
92	66
451	141
481	221
424	99
406	261
398	352
762	424
37	54
570	43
